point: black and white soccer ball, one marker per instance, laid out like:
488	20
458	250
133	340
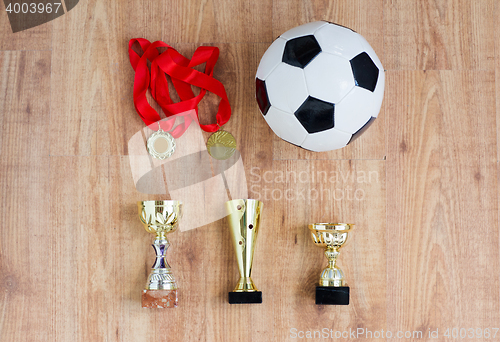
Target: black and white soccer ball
320	86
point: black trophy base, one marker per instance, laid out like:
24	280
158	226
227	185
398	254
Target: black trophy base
245	297
329	295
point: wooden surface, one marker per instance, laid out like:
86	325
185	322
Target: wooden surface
425	252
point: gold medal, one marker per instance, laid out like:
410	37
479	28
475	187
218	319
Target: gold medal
221	145
161	144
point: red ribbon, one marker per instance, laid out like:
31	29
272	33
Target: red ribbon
180	69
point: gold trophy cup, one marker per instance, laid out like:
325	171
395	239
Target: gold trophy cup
244	220
160	218
332	289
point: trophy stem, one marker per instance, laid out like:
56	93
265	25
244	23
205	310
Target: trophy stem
245	284
332	254
332	275
161	277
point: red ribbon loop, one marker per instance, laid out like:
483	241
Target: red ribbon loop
180	69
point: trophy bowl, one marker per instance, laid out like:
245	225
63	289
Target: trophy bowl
330	235
160	218
332	287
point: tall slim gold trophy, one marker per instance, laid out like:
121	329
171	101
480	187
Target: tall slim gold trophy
160	218
244	220
332	289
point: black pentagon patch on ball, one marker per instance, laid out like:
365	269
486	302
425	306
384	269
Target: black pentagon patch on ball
360	131
300	51
316	115
261	95
365	71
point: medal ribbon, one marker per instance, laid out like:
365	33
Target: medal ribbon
180	69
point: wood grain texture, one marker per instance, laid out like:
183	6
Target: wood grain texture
449	35
82	266
25	103
25	276
442	166
497	70
421	185
218	21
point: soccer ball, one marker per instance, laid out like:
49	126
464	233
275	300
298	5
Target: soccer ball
320	86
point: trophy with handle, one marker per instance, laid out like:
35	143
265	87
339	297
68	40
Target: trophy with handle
160	218
332	289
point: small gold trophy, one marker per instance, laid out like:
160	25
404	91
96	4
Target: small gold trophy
160	218
244	220
332	289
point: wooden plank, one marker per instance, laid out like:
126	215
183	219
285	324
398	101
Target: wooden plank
413	181
27	273
451	35
328	191
469	159
79	213
26	264
365	18
24	115
497	70
443	213
217	21
92	80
